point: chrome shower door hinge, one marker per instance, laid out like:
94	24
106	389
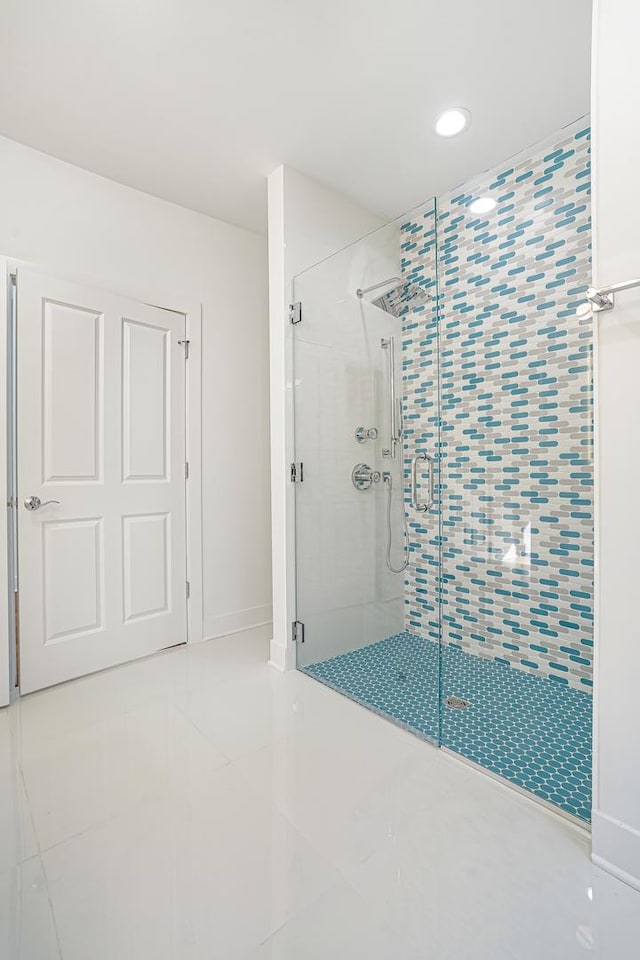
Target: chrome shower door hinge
295	312
297	631
297	472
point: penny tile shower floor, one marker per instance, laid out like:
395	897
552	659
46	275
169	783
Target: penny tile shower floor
533	731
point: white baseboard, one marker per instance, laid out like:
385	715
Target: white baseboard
222	625
283	655
616	848
278	657
259	631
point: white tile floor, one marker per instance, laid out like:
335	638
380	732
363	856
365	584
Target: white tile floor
200	806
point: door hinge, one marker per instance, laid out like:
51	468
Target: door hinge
295	312
297	472
186	469
297	631
188	589
185	344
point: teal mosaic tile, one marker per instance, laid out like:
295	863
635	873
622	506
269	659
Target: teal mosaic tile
497	385
528	729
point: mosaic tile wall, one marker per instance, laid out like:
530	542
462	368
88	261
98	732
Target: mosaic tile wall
514	436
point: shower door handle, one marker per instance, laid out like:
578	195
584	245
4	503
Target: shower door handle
421	507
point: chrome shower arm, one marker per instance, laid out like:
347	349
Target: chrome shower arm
376	286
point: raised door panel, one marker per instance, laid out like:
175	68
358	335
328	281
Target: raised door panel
146	541
145	402
72	364
73	569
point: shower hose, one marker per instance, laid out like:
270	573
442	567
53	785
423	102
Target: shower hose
405	563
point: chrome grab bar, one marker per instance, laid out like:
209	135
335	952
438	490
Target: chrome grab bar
421	507
603	298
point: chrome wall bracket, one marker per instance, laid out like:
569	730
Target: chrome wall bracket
604	299
599	300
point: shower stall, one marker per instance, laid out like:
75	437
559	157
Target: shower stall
443	434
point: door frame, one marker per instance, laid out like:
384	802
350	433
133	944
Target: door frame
6	632
192	311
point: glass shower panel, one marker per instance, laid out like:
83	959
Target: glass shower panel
356	434
443	420
517	506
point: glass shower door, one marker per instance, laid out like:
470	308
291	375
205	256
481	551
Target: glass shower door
356	439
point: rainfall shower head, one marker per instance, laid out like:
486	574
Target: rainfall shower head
401	295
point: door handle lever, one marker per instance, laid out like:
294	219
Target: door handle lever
34	503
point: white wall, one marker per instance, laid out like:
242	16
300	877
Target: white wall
65	221
307	222
616	142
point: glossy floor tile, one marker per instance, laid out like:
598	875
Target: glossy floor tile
208	872
27	927
200	806
534	731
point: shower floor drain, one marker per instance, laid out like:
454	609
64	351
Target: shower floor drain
458	703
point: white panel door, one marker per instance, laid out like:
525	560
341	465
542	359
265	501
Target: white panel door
101	430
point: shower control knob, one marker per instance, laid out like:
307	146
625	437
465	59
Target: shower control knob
362	476
362	434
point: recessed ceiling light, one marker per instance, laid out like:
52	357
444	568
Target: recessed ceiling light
482	205
453	121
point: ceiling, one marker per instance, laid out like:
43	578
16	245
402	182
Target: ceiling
196	101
